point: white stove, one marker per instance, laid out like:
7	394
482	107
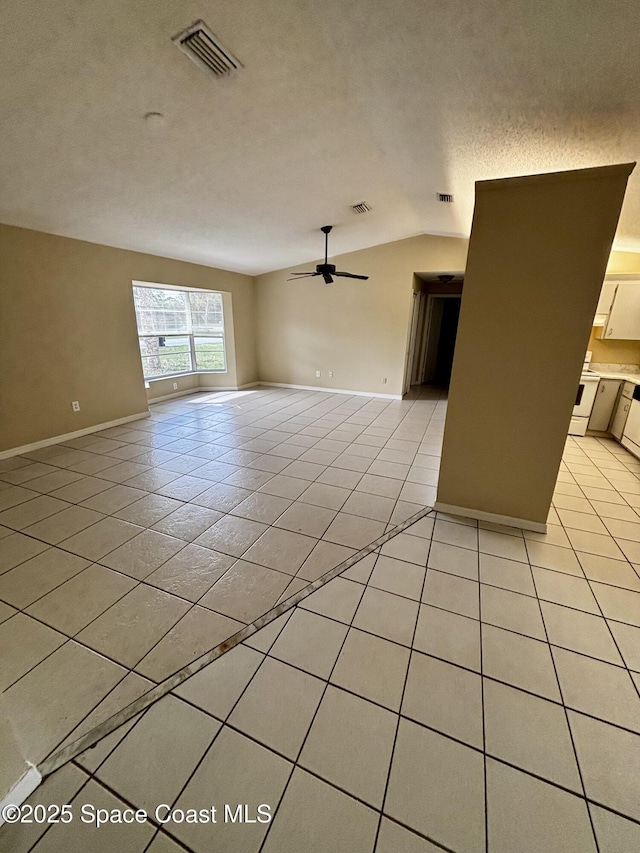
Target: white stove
585	398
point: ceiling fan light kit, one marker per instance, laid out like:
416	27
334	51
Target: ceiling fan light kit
326	270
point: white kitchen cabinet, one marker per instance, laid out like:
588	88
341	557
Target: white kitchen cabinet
622	411
631	434
603	404
623	322
604	303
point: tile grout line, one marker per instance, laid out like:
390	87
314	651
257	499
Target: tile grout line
57	546
418	722
92	776
614	489
224	722
350	794
625	666
313	718
525	771
114	484
411	464
52	762
482	686
144	580
293	577
134	671
67	800
24	531
566	715
161	830
231	447
423	725
404	688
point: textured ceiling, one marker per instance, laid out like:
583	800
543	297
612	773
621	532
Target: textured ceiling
388	101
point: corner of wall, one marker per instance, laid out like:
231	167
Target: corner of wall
18	777
355	330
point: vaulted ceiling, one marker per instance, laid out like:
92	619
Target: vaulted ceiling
383	101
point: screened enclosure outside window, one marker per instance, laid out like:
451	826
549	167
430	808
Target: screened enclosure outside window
180	331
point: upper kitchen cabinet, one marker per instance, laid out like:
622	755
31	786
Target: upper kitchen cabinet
623	320
604	303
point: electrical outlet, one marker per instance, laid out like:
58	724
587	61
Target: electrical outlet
318	374
75	406
175	386
384	380
331	374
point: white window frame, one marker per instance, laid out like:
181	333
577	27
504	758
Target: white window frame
190	335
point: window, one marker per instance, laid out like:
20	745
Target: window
180	331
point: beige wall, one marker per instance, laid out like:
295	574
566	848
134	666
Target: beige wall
357	329
68	328
160	388
537	257
623	262
68	331
614	352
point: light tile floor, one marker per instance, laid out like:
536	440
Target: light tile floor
128	553
466	688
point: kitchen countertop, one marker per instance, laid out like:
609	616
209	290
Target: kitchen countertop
626	377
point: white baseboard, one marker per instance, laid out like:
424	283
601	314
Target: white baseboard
207	389
24	787
631	446
210	388
184	393
479	515
332	390
56	439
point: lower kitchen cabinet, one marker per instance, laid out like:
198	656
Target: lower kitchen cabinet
603	405
631	432
622	410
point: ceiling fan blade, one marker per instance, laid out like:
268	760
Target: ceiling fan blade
308	272
327	278
351	275
303	275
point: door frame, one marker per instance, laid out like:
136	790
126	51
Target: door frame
417	312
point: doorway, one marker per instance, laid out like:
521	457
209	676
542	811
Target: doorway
443	313
432	339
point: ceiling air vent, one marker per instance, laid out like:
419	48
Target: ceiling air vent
448	197
361	207
203	48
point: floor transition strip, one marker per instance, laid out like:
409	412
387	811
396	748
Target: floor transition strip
69	752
